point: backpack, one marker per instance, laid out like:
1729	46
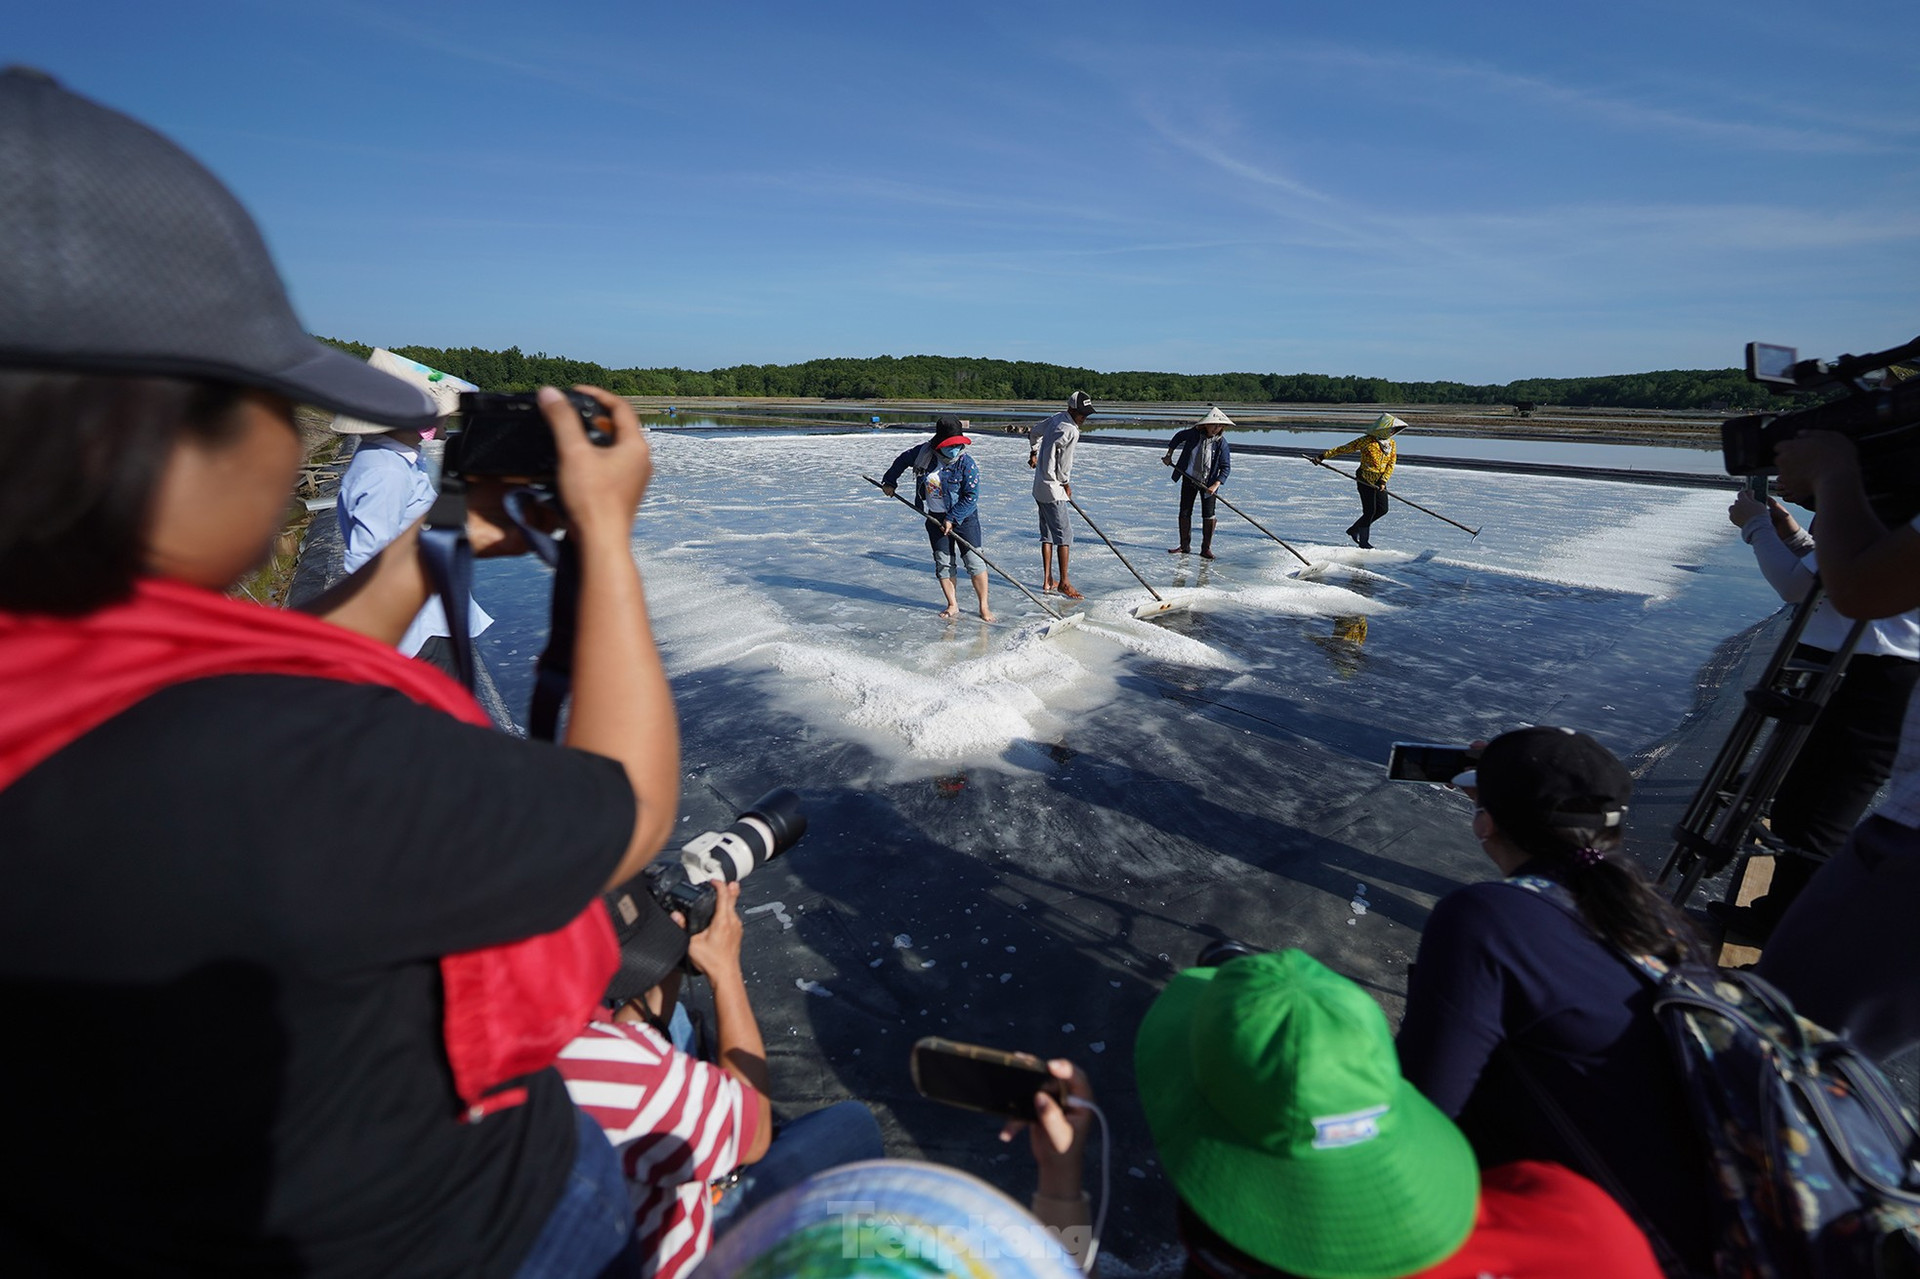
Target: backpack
1816	1164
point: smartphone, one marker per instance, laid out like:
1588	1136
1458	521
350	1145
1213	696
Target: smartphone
1757	485
1427	762
988	1080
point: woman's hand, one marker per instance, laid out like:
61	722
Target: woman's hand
1060	1133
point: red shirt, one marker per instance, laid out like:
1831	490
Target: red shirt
677	1124
1540	1221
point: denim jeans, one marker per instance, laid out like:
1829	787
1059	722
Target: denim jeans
589	1233
841	1134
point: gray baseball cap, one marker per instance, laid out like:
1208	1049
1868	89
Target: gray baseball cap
120	253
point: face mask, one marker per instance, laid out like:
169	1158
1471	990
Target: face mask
948	455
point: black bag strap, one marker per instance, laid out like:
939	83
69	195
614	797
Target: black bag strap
448	558
553	672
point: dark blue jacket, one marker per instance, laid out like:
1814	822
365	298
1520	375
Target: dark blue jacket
1507	981
960	481
920	464
1188	440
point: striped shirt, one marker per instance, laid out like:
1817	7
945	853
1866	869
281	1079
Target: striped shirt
677	1124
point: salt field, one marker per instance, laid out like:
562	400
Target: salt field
1016	838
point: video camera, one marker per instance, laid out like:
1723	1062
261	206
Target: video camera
1878	412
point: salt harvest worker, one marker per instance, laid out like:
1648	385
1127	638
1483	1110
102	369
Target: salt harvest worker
952	507
1297	1148
387	486
1522	987
1204	463
922	459
1051	456
1377	455
335	1014
1850	751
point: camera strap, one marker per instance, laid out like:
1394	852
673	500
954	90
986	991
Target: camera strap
447	557
553	673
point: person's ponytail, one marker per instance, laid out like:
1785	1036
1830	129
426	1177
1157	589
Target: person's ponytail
1614	897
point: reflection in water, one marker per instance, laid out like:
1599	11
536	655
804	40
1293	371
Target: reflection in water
1343	647
1201	575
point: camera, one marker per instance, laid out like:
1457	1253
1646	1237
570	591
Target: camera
685	883
1878	410
507	437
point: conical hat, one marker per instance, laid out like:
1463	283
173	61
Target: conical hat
1215	417
1386	426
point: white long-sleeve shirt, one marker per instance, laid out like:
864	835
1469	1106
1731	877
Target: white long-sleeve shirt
386	488
1790	569
1053	441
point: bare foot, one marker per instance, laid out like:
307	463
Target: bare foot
1178	550
1046	588
1206	555
1066	589
987	617
951	612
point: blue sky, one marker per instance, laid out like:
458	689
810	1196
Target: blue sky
1401	189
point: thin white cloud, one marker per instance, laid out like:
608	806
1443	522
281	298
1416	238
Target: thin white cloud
569	73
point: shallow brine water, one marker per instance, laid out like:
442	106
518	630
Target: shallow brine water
1014	838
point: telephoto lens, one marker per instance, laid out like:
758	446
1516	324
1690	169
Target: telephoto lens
684	884
774	824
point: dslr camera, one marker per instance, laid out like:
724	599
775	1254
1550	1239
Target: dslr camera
506	437
685	883
1878	408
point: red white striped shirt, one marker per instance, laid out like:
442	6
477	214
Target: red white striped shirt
677	1124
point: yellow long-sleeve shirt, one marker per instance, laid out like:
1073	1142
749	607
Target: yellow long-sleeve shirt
1376	458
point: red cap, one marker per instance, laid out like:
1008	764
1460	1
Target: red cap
950	441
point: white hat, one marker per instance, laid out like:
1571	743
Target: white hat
443	388
1215	417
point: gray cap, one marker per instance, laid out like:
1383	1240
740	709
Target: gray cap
120	253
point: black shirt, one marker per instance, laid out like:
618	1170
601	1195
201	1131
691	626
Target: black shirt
220	929
1506	979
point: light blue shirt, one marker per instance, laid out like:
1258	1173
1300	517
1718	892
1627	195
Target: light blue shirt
386	488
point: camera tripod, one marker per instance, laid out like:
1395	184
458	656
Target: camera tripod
1723	821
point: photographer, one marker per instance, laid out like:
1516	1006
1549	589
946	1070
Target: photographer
334	1022
389	484
1851	747
1524	1021
680	1124
1847	952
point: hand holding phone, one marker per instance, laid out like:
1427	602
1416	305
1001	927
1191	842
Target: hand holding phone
988	1080
1427	762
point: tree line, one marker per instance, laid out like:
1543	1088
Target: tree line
938	377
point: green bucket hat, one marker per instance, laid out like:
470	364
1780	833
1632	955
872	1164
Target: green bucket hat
1275	1098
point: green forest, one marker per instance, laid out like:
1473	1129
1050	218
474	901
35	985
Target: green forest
940	377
